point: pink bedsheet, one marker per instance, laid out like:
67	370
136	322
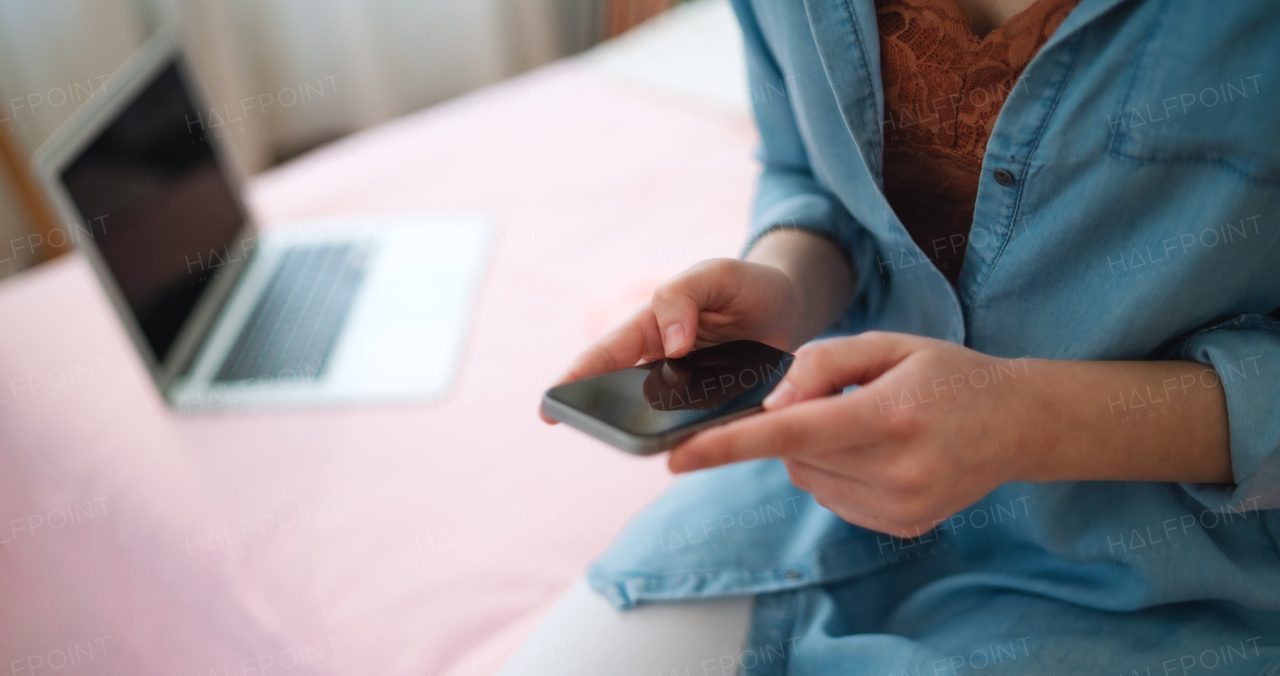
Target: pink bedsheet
412	539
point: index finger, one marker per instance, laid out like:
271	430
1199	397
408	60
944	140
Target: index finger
812	426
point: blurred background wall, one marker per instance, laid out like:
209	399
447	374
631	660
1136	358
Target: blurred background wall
287	75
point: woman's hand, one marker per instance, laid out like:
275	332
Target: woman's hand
925	436
713	302
787	290
936	426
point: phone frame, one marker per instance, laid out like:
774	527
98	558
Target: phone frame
636	444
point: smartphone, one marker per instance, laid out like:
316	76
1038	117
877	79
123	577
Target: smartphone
652	407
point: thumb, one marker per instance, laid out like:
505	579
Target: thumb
826	366
677	303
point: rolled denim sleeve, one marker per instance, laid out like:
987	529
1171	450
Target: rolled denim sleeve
787	195
1244	351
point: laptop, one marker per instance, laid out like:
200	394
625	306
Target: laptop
345	310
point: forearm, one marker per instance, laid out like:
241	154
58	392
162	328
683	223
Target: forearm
821	278
1136	421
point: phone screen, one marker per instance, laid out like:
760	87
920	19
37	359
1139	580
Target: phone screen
666	395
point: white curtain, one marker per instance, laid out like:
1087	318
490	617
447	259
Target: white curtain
298	72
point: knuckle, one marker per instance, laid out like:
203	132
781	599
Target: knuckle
813	360
874	336
667	293
717	269
882	342
683	285
933	358
816	353
720	265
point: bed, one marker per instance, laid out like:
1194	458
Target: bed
407	539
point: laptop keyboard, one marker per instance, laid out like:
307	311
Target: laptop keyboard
299	315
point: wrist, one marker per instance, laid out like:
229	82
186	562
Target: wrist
1063	435
819	277
1038	447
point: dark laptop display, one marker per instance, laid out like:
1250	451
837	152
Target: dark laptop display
167	218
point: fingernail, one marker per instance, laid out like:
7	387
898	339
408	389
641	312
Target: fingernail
782	395
673	338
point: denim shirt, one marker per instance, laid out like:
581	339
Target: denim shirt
1142	221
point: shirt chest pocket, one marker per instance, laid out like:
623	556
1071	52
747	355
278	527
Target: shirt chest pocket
1203	89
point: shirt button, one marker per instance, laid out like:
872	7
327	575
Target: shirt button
1003	177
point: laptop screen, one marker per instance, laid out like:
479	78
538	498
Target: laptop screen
157	205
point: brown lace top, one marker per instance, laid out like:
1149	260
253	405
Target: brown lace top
943	88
